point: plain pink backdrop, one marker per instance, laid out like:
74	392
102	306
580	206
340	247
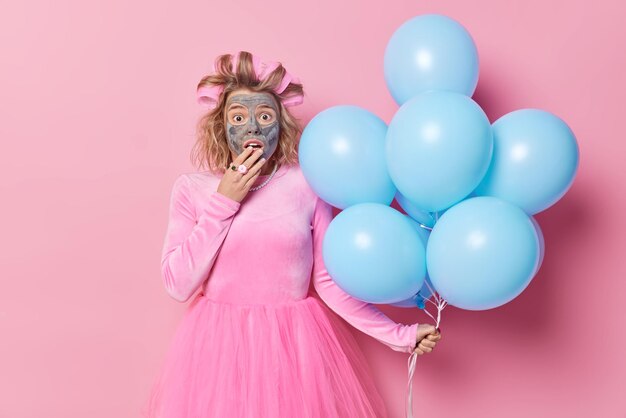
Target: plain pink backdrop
98	115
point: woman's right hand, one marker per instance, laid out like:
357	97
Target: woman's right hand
427	338
236	185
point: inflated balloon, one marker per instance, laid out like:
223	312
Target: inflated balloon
412	302
534	162
421	216
542	244
419	299
482	253
342	156
430	51
425	293
374	253
439	146
423	233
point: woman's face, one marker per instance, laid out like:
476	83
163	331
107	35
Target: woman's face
252	118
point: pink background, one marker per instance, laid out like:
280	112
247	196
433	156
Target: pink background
98	113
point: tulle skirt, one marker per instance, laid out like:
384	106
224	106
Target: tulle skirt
290	360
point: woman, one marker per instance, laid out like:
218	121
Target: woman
256	341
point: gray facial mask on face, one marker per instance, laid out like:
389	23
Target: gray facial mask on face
253	125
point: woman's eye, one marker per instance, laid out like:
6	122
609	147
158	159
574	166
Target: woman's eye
237	118
266	116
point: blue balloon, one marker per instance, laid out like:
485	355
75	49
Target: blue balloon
439	146
534	162
421	216
374	253
482	253
424	294
430	51
542	243
342	156
412	302
419	299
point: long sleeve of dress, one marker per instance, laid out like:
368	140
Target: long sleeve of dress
362	315
193	240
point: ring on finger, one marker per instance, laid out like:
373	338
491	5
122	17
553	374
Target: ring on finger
240	168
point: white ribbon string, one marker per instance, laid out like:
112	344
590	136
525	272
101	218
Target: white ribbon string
409	405
441	304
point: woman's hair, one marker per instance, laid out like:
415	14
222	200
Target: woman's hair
211	147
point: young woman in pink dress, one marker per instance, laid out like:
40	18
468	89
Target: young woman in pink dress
264	336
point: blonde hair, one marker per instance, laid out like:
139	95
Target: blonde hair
211	148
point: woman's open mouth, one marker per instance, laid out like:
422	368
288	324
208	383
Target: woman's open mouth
253	142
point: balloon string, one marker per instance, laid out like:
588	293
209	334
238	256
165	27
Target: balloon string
411	364
424	226
441	304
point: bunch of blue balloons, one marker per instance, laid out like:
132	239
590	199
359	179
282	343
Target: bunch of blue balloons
469	187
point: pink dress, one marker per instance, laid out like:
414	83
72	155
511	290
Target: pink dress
258	340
